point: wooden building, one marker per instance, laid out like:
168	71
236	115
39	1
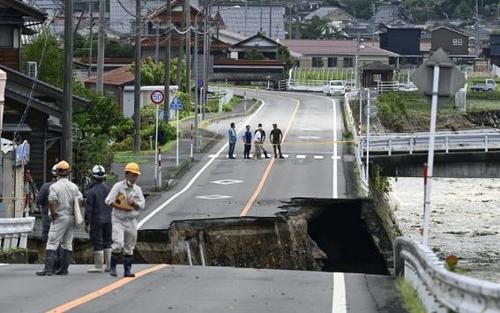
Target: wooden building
455	43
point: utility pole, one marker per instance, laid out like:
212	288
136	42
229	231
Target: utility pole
100	50
157	43
206	58
67	120
166	101
246	13
297	20
261	8
137	82
478	42
91	25
188	46
270	20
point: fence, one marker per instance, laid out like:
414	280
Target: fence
439	289
225	95
14	232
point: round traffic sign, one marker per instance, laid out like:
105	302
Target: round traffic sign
157	96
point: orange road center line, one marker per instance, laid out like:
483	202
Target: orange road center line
264	177
107	289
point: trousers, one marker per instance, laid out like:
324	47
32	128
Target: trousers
124	236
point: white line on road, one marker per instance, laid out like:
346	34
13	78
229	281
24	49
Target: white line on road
300	156
339	301
335	152
195	177
318	157
335	157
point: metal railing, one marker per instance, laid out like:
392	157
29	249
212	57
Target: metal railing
444	141
440	289
14	232
384	86
225	95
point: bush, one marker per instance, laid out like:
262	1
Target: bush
378	183
166	132
392	111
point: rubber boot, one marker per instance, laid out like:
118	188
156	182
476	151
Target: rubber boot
50	259
67	259
112	264
98	262
265	154
107	259
127	266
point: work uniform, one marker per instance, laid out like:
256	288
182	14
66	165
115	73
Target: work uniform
42	200
262	140
98	219
124	223
276	136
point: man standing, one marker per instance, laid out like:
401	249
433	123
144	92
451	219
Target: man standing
42	200
262	140
127	199
98	220
257	141
276	136
62	197
247	140
231	134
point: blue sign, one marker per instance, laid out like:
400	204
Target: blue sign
199	82
161	114
176	104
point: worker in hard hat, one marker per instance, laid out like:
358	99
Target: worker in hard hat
127	199
42	200
98	220
62	197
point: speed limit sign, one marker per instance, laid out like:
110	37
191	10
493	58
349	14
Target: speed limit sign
157	96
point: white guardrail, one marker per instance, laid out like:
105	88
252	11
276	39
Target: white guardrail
444	141
227	95
14	232
350	121
440	289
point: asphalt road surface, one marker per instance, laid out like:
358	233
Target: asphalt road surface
162	288
218	187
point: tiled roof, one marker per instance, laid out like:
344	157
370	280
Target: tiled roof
117	77
334	47
325	12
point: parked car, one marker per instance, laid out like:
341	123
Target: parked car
334	87
488	85
407	87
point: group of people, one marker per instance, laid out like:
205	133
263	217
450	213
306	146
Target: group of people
258	138
110	219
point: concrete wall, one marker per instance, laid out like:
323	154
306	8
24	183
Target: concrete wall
306	62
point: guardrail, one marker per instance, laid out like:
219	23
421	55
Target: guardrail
440	289
444	141
14	232
227	95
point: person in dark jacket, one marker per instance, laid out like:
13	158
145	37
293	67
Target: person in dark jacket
98	220
247	140
42	200
276	137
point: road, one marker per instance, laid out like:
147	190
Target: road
218	187
195	289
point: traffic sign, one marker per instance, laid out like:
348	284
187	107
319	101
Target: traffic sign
157	96
176	104
199	82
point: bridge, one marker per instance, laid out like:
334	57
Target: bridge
259	214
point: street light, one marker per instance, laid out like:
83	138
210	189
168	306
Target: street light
3	82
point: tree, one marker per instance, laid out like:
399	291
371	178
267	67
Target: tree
284	55
360	8
253	54
320	28
45	50
152	74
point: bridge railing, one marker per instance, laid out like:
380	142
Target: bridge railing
444	141
440	289
358	150
14	232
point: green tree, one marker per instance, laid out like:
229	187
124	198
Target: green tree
253	54
319	28
284	55
360	8
50	64
154	73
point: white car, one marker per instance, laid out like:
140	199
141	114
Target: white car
334	87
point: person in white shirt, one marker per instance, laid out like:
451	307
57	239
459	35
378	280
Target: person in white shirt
127	199
257	142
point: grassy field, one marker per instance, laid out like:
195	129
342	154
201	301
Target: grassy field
142	157
475	105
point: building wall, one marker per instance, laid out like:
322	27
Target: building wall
307	62
404	41
451	42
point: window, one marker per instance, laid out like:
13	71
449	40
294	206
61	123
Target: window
457	41
348	62
6	36
332	62
317	62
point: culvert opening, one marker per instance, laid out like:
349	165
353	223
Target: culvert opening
341	233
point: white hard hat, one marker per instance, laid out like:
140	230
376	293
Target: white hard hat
53	171
98	171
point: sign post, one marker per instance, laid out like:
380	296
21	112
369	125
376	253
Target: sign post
157	97
176	105
439	79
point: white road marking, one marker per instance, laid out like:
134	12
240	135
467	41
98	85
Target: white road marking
1	264
195	177
335	151
285	156
308	137
300	156
213	197
335	157
310	129
227	156
318	157
226	181
339	301
211	156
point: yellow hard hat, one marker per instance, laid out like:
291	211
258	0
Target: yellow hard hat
133	168
63	167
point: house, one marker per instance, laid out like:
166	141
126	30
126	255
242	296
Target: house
494	49
332	14
262	44
336	53
122	13
403	40
388	13
455	43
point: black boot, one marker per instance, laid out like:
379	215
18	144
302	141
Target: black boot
127	266
67	259
50	259
112	264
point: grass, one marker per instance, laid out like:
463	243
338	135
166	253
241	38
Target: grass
482	105
411	300
142	157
